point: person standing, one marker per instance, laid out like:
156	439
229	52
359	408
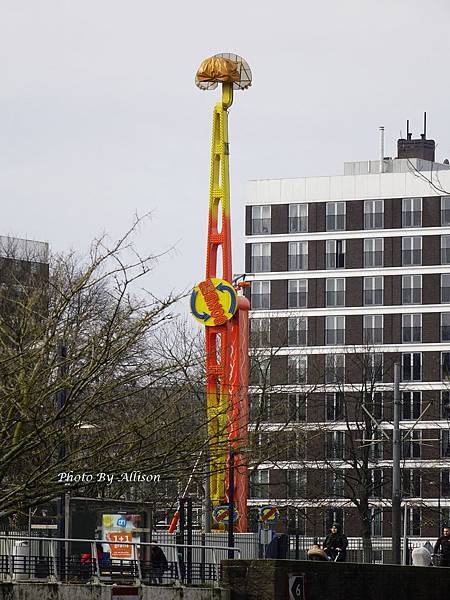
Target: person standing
335	544
158	562
442	546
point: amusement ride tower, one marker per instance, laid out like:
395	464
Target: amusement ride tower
216	303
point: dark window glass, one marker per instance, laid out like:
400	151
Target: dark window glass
298	218
297	331
373	214
445	366
261	219
445	287
335	216
335	254
297	293
411	405
445	210
334	406
411	366
260	295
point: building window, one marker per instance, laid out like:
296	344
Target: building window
413	521
445	327
445	443
373	291
261	257
296	483
334	484
297	331
445	405
295	445
335	292
335	212
411	483
259	333
334	331
335	445
296	408
297	291
373	367
445	287
376	480
412	212
411	328
298	218
333	515
373	252
298	256
411	289
296	372
260	371
259	484
296	521
373	329
259	407
411	251
374	404
445	249
445	210
412	445
334	406
261	219
335	254
334	368
373	214
376	525
411	405
376	446
445	483
260	294
412	366
445	366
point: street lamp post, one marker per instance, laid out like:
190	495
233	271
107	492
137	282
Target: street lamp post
396	473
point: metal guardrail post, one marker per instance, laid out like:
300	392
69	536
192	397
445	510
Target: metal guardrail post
10	560
94	555
54	577
216	568
179	579
138	565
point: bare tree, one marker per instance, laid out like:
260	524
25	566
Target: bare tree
84	386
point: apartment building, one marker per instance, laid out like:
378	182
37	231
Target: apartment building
350	274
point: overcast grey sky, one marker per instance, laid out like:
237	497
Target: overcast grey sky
100	117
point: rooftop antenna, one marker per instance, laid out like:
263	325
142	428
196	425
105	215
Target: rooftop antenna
381	149
408	134
424	134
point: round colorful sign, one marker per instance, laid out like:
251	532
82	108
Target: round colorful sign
213	301
269	513
221	514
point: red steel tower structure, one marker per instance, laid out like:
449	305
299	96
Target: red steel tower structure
218	305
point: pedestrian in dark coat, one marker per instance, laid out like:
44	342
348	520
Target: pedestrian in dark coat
442	546
335	544
158	562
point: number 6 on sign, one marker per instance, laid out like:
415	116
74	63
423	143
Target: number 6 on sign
296	586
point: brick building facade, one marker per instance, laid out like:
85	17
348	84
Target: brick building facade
349	275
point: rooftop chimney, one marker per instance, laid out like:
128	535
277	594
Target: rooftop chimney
418	148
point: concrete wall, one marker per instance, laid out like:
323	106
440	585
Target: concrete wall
268	580
46	591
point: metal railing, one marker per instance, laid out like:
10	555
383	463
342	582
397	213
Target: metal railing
380	551
54	561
